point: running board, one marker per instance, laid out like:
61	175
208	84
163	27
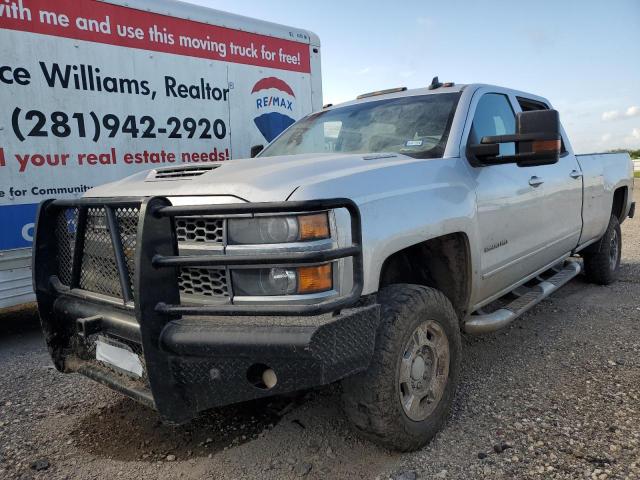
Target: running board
490	322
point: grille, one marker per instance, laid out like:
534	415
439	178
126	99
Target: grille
99	271
128	223
204	281
66	226
200	230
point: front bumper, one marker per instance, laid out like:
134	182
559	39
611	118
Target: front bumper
202	356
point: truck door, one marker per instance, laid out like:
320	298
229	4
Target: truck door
562	187
511	215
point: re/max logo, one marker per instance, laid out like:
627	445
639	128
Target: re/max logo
273	101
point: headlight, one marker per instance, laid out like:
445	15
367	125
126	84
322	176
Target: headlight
280	229
282	281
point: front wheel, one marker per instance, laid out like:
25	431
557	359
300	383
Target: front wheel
403	399
602	261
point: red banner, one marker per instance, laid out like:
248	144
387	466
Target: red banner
100	22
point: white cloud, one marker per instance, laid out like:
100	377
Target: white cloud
363	71
611	115
633	111
606	137
633	140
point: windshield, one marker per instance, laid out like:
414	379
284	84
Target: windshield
417	126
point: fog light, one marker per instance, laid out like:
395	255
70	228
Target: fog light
265	281
282	281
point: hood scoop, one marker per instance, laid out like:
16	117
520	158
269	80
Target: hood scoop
179	173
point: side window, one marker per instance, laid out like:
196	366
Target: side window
494	116
528	105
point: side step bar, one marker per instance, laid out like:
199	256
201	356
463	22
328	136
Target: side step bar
490	322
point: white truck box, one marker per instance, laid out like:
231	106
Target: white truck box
93	91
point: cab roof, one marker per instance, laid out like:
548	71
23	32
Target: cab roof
455	88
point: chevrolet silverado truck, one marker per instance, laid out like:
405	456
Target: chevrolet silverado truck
355	247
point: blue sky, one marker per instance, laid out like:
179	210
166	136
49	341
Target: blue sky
582	55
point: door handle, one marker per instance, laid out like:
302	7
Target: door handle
575	174
535	181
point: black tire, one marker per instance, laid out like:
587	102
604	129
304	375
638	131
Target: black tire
602	260
372	399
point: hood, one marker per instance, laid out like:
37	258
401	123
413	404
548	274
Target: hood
266	179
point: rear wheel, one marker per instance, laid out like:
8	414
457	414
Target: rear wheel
602	261
404	397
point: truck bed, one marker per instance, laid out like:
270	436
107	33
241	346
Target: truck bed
601	173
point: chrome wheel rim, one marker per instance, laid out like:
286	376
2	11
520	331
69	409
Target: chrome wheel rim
424	370
613	251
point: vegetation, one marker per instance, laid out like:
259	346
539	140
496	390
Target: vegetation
635	154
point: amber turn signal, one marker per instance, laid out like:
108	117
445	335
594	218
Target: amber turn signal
314	227
315	279
546	146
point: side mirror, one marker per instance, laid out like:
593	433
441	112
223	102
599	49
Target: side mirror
537	139
255	150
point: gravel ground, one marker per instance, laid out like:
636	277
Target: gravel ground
556	395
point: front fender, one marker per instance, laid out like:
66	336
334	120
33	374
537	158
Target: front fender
405	205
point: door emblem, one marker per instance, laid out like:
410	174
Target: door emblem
493	246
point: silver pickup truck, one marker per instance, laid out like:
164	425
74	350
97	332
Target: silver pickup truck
356	247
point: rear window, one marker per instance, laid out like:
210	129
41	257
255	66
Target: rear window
528	105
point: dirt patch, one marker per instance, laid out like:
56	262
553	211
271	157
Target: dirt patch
126	430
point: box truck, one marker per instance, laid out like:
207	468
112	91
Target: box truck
93	91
